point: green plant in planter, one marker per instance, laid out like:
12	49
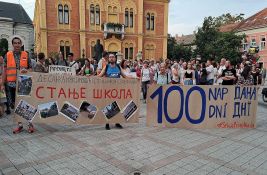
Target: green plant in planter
110	25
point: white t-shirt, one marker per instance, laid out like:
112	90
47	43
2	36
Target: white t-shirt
175	77
220	71
154	67
75	65
215	74
210	71
126	71
182	72
145	74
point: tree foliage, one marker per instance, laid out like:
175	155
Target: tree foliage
177	51
213	44
228	19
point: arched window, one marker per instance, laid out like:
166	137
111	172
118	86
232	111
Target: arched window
66	14
129	51
64	47
148	21
92	14
109	9
60	14
115	10
152	25
131	18
97	15
126	17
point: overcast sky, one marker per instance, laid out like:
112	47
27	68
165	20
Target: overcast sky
186	15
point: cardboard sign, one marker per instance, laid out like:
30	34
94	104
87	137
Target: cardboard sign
202	106
54	69
63	99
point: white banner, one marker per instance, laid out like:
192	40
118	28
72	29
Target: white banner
54	69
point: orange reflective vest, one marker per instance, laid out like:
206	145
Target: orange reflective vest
11	68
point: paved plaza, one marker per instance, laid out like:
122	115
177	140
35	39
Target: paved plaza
137	149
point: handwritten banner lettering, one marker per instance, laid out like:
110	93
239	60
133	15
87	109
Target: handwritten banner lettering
65	99
202	106
54	69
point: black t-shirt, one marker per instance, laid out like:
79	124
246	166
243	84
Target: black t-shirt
228	72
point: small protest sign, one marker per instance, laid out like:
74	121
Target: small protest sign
54	69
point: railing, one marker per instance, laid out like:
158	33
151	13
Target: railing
114	28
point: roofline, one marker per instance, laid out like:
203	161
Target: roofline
251	28
6	19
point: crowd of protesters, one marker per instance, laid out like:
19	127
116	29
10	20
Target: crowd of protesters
180	72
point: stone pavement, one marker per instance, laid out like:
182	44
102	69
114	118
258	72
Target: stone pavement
137	149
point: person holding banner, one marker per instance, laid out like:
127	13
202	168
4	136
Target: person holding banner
15	60
112	70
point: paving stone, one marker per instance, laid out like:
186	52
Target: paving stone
93	150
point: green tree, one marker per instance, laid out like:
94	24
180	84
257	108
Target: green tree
212	44
181	51
228	19
228	45
177	51
206	39
170	46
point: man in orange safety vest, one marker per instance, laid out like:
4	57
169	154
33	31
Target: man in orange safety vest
15	61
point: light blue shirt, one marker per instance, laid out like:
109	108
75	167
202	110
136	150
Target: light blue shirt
162	79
